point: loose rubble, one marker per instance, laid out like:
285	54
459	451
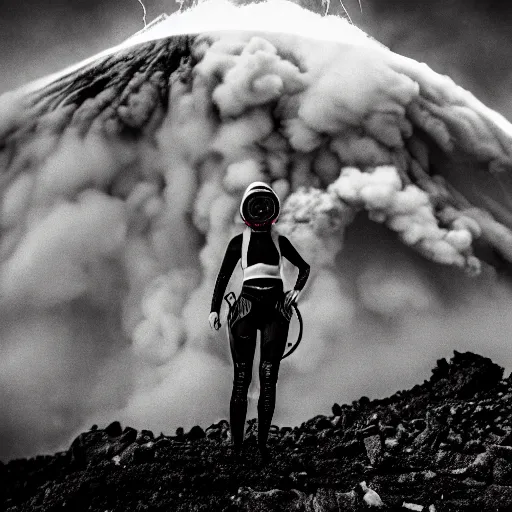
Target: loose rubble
445	445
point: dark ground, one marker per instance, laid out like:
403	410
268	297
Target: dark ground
445	445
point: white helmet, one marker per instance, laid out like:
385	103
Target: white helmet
260	206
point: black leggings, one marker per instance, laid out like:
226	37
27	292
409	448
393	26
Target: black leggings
258	307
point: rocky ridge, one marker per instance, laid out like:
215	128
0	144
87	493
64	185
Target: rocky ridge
444	445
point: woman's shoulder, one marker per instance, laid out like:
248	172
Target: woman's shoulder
282	239
236	241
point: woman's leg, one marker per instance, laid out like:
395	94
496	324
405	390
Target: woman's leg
273	344
243	344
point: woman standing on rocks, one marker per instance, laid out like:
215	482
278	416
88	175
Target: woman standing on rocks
262	305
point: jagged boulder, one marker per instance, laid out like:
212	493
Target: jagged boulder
466	375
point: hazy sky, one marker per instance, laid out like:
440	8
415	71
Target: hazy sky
39	36
467	40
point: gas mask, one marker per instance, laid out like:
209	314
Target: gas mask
259	208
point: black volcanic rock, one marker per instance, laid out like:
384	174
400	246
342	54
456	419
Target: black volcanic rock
445	445
114	429
467	374
196	433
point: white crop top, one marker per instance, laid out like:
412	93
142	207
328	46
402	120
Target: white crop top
259	270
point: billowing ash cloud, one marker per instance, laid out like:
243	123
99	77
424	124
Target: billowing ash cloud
121	181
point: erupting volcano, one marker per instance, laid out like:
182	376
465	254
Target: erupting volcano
121	180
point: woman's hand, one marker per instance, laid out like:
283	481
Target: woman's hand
290	298
214	320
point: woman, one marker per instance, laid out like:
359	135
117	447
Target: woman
262	305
